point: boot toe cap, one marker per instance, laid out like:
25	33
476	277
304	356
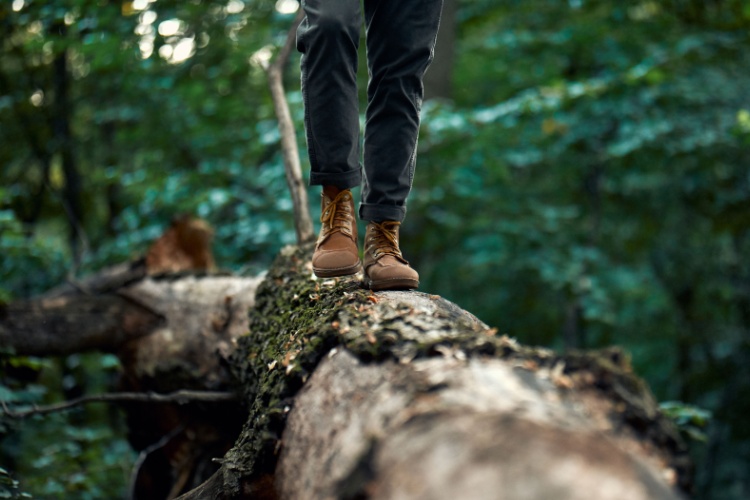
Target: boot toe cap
393	277
330	263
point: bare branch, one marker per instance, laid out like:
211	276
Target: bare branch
289	149
179	397
286	50
143	455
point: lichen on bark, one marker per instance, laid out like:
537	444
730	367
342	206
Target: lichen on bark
298	319
291	327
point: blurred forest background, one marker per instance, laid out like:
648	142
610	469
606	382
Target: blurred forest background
583	180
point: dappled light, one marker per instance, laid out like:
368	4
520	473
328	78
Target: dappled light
287	6
170	27
235	6
141	4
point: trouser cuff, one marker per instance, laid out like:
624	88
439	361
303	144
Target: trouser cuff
342	180
371	212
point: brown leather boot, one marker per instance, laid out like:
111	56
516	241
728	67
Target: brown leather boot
336	252
385	267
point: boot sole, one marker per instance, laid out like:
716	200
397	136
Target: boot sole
392	284
338	272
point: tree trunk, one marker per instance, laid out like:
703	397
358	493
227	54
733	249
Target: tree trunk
354	394
71	196
449	427
438	81
405	395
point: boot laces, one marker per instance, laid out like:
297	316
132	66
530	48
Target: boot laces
384	239
336	216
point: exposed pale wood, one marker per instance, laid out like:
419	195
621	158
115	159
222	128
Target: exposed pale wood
448	428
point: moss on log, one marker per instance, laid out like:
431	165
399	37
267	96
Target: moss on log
298	319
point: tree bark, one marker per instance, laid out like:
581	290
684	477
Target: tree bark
405	395
68	325
448	427
354	394
62	109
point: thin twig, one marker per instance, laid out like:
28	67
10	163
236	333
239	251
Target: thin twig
143	455
289	149
179	397
283	56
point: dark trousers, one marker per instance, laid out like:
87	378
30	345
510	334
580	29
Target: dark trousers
400	38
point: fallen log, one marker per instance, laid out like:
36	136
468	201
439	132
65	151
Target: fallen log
354	394
172	324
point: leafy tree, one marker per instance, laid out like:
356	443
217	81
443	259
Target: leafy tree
587	184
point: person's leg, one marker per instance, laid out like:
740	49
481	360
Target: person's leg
400	42
328	39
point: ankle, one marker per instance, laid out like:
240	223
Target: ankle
384	224
331	191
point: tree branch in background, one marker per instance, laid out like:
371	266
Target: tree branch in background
70	324
173	325
289	149
179	397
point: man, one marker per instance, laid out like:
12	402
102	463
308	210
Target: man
400	42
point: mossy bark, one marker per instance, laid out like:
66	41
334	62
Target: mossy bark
299	321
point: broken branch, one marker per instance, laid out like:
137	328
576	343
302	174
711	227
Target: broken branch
179	397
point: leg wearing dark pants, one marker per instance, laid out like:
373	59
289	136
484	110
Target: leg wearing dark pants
400	42
328	39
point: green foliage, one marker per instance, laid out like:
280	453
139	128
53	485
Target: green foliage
587	185
25	255
77	454
151	134
689	419
9	487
